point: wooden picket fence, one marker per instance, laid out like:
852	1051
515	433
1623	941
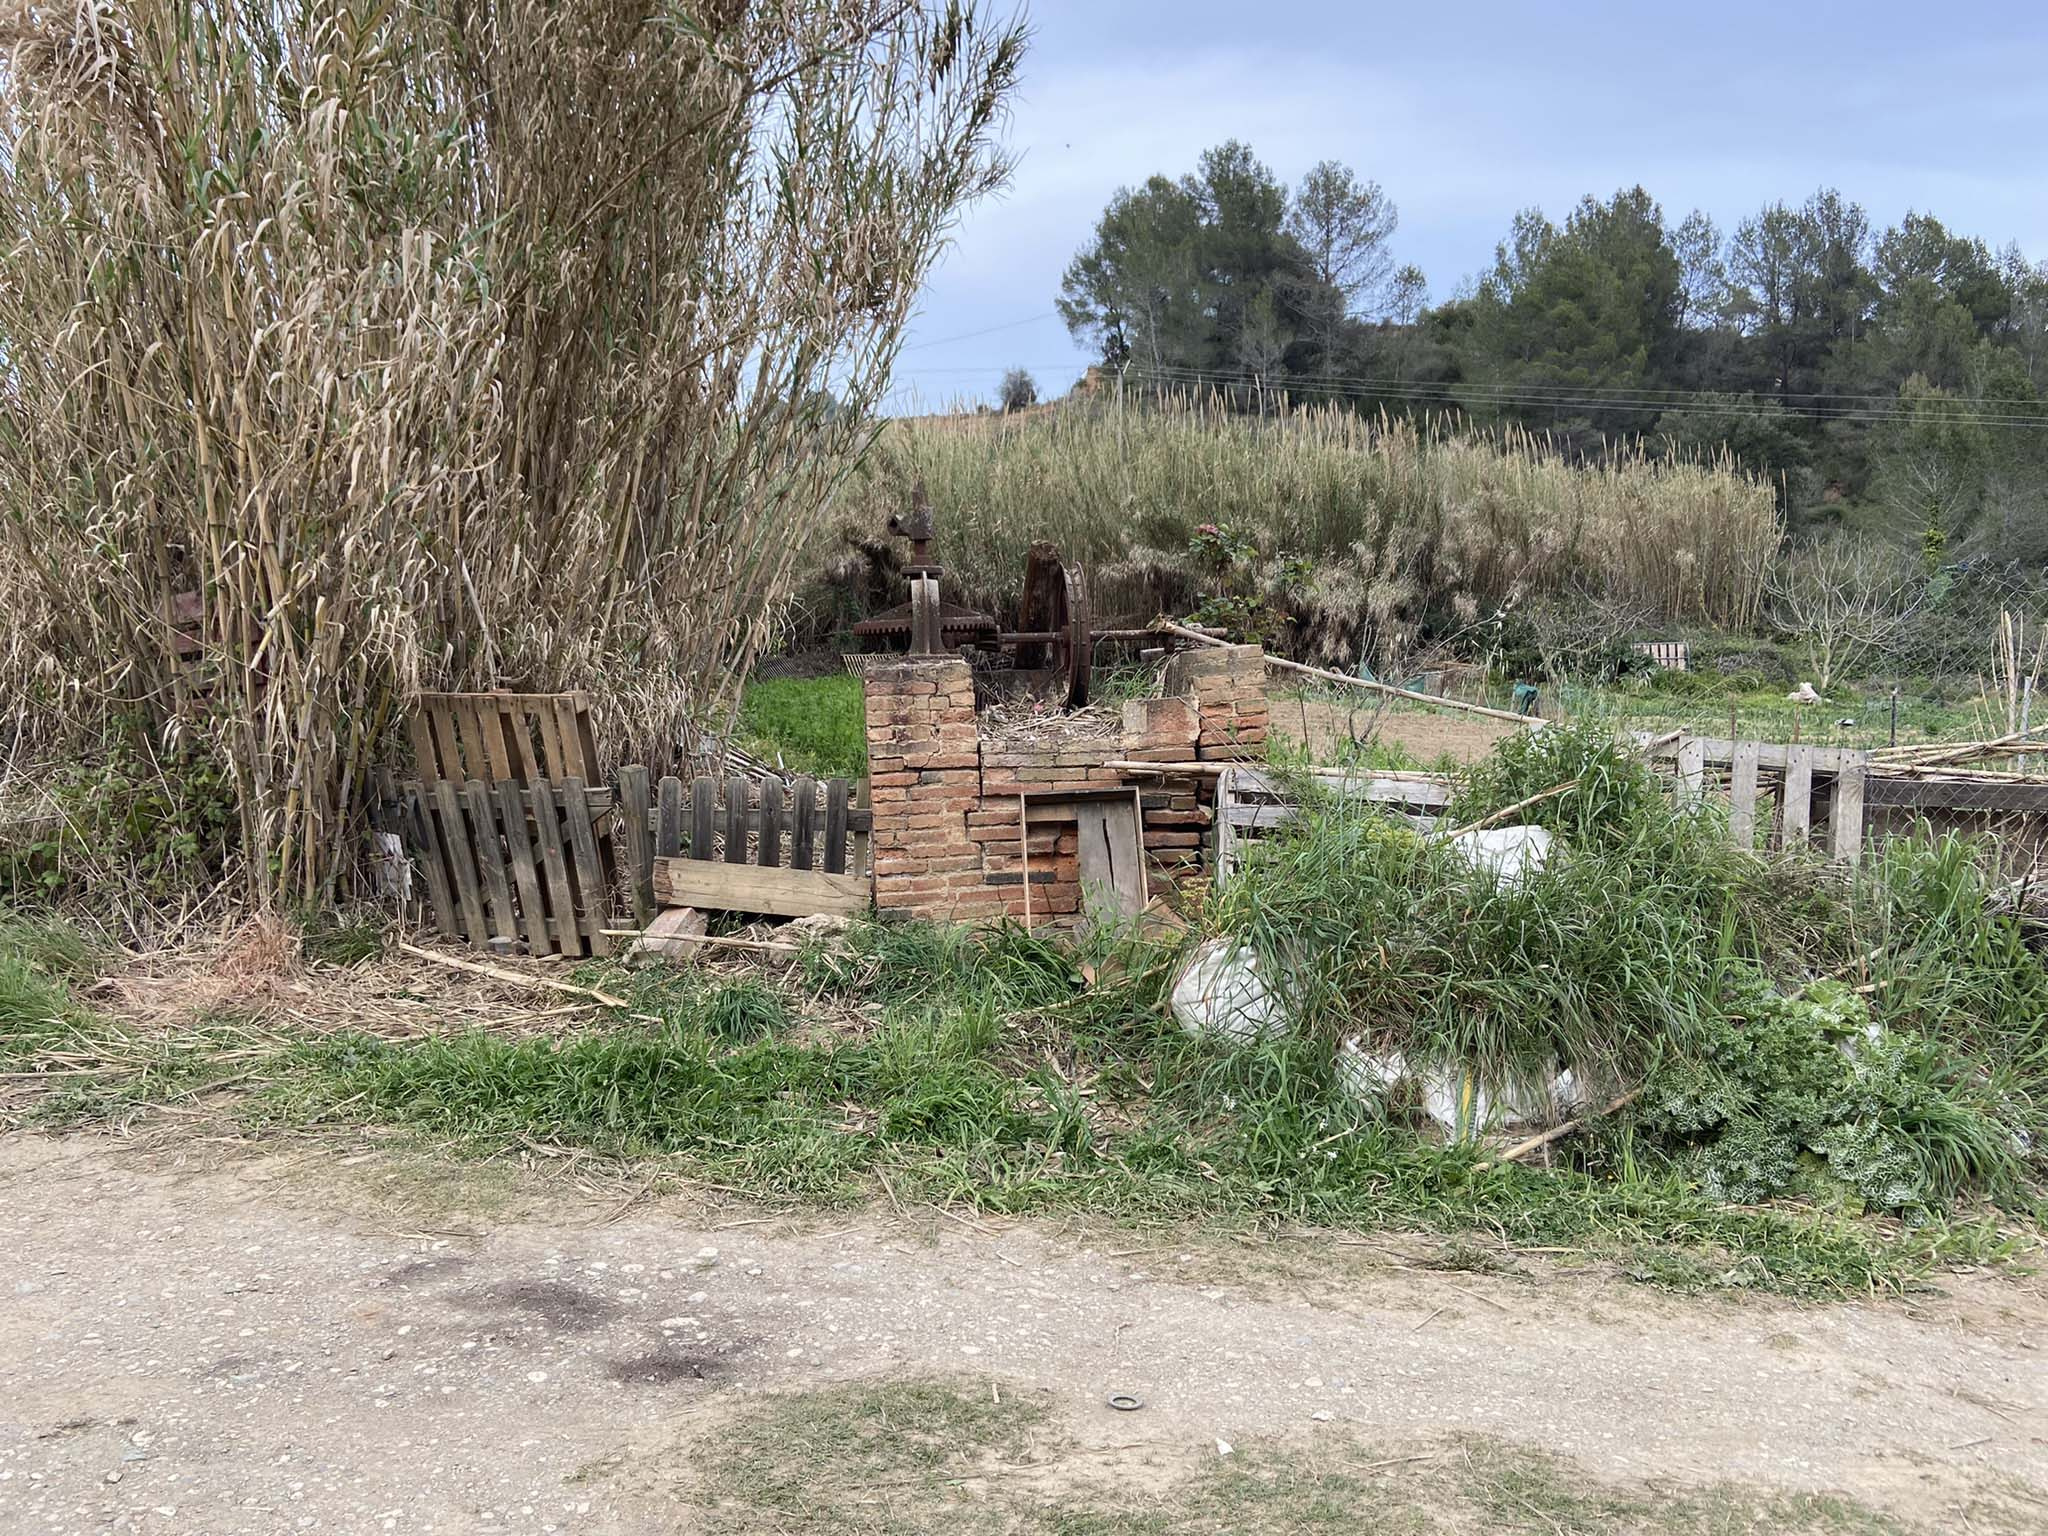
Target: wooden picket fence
746	845
543	865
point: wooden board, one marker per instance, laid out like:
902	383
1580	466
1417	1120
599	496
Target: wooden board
1692	771
703	816
593	888
803	824
547	825
533	907
768	844
1742	795
455	840
1798	796
1845	818
490	855
426	849
736	820
1112	859
1882	791
668	835
636	839
835	826
714	885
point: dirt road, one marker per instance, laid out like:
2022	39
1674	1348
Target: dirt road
208	1340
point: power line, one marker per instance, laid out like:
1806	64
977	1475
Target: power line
1050	314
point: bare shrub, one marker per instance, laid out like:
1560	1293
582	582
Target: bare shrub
1843	603
522	343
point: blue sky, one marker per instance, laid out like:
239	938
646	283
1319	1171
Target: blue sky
1467	112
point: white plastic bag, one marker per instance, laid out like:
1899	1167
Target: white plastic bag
1222	991
1509	853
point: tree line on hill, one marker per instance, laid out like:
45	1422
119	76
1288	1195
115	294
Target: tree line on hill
1888	378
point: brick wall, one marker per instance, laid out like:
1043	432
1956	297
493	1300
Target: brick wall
1228	686
948	801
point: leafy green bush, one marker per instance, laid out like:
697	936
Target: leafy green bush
131	822
1787	1095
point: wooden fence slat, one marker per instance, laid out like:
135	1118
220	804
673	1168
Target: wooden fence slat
736	820
426	847
768	852
547	825
835	827
1742	795
461	860
803	823
634	831
533	907
483	825
1798	796
1692	770
862	820
591	884
1845	821
703	816
668	837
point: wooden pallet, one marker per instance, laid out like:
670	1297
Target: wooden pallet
512	866
491	737
1250	801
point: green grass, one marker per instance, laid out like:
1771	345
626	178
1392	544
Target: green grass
813	725
982	1069
935	1455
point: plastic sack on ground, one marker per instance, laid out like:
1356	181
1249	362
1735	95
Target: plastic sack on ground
1222	991
1453	1097
1509	853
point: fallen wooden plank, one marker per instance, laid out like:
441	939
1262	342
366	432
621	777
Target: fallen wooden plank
722	887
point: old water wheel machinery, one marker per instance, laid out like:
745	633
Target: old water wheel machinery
1051	652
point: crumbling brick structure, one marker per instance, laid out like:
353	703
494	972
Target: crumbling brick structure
950	798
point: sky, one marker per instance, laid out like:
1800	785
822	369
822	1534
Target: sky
1466	113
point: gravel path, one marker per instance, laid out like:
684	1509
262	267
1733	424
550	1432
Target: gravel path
211	1341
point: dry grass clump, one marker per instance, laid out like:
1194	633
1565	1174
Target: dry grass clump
1405	524
350	350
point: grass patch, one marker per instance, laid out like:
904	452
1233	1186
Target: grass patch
935	1455
814	725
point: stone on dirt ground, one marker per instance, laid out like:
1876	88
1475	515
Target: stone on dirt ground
331	1337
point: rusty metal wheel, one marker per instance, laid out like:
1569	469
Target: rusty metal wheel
1056	608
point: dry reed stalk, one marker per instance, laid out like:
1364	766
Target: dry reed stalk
359	350
1405	521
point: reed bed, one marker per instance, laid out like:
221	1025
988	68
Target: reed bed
347	351
1406	525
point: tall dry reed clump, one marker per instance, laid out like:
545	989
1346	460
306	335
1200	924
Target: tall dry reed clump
353	348
1405	525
